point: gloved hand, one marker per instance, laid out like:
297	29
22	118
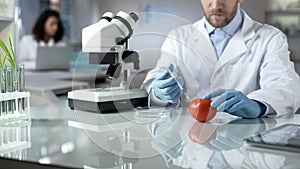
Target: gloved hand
166	87
236	103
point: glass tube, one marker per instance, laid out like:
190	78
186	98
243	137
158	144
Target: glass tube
8	80
15	86
15	78
21	87
9	88
2	81
21	78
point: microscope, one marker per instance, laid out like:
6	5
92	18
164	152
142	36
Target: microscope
106	43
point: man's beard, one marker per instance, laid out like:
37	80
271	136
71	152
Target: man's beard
225	21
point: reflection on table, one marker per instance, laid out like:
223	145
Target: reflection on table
147	138
15	139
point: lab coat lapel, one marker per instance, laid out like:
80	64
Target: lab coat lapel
236	47
204	45
238	43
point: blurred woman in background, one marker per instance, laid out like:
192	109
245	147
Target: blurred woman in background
47	31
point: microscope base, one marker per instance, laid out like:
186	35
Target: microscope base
107	100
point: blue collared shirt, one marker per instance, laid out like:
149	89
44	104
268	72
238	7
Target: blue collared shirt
221	36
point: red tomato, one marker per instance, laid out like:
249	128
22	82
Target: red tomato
201	111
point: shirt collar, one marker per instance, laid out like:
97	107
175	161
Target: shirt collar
231	28
50	43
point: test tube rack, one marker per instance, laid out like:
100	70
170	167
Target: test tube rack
18	113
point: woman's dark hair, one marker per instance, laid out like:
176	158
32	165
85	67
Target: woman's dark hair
38	30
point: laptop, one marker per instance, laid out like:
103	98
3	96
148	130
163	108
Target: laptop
53	58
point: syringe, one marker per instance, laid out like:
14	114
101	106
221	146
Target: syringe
180	86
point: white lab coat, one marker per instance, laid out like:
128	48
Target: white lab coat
28	50
255	61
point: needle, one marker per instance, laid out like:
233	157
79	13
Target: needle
180	86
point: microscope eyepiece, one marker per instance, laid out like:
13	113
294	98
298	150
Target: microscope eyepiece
134	16
107	16
125	23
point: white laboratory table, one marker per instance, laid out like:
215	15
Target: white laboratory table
154	138
49	84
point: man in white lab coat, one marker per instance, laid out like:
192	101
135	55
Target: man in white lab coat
241	64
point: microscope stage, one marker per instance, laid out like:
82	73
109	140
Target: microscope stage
103	100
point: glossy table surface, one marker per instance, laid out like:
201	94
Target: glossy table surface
153	138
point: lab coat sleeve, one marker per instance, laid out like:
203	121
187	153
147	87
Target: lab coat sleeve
279	83
169	55
26	53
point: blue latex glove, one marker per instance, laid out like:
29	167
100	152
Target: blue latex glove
166	86
236	103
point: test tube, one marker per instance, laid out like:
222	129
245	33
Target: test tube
1	90
9	88
21	87
15	87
